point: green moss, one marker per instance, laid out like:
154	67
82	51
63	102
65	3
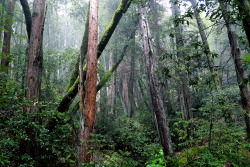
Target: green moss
72	90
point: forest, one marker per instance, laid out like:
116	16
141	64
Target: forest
124	83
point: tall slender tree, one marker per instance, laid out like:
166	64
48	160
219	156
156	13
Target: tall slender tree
91	79
2	6
185	98
203	36
83	51
153	82
7	37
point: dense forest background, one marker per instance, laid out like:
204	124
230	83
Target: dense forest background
171	85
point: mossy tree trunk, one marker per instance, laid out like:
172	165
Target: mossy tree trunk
73	87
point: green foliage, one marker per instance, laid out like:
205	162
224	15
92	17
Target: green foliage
55	147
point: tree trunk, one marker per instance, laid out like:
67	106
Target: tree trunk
72	90
111	87
34	75
7	37
2	4
207	51
91	79
159	51
131	84
235	49
244	9
35	56
153	86
83	51
187	113
27	14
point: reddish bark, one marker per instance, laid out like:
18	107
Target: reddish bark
91	79
34	70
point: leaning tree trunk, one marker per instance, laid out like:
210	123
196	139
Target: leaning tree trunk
235	49
27	14
207	51
187	113
91	79
72	90
154	88
7	37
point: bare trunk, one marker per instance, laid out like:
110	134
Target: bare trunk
91	79
153	86
235	49
7	37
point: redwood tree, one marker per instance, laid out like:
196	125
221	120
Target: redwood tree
91	78
35	57
153	84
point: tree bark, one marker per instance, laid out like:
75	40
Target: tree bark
7	37
236	54
35	57
207	51
27	15
91	79
131	83
34	76
244	9
153	86
73	88
83	51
